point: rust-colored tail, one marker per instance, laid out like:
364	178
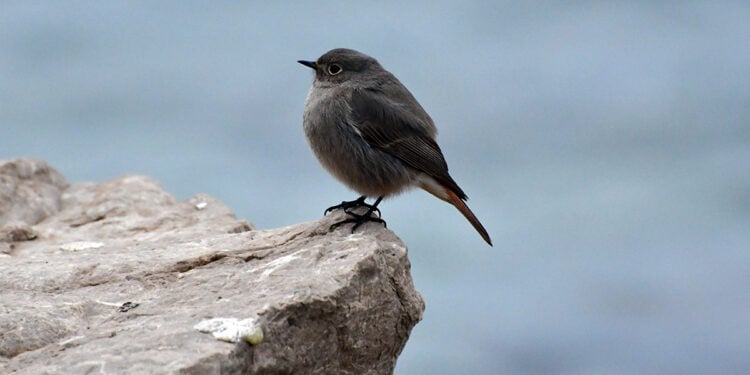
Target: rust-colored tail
447	194
464	209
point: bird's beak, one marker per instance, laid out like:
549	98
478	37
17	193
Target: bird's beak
309	64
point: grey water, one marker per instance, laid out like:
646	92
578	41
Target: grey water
605	146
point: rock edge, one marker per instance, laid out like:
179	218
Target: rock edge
112	277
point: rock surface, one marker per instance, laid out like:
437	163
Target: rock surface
113	277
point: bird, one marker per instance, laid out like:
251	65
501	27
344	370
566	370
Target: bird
370	133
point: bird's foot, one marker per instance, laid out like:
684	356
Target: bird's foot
359	219
348	205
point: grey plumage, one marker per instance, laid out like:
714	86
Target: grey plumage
369	132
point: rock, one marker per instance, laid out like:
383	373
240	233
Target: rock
29	191
113	278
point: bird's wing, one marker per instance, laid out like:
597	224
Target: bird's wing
395	129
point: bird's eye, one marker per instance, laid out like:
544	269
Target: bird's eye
334	69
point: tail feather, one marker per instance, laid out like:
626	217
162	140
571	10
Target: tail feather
435	188
464	209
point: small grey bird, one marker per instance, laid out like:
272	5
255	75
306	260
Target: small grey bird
370	133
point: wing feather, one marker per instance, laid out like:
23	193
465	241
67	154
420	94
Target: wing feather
395	129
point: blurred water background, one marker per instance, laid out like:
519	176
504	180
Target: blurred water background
605	146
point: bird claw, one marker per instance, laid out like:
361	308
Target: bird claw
358	219
348	205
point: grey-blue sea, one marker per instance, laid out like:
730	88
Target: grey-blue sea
605	146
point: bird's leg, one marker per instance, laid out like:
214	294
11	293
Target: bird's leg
358	219
347	205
